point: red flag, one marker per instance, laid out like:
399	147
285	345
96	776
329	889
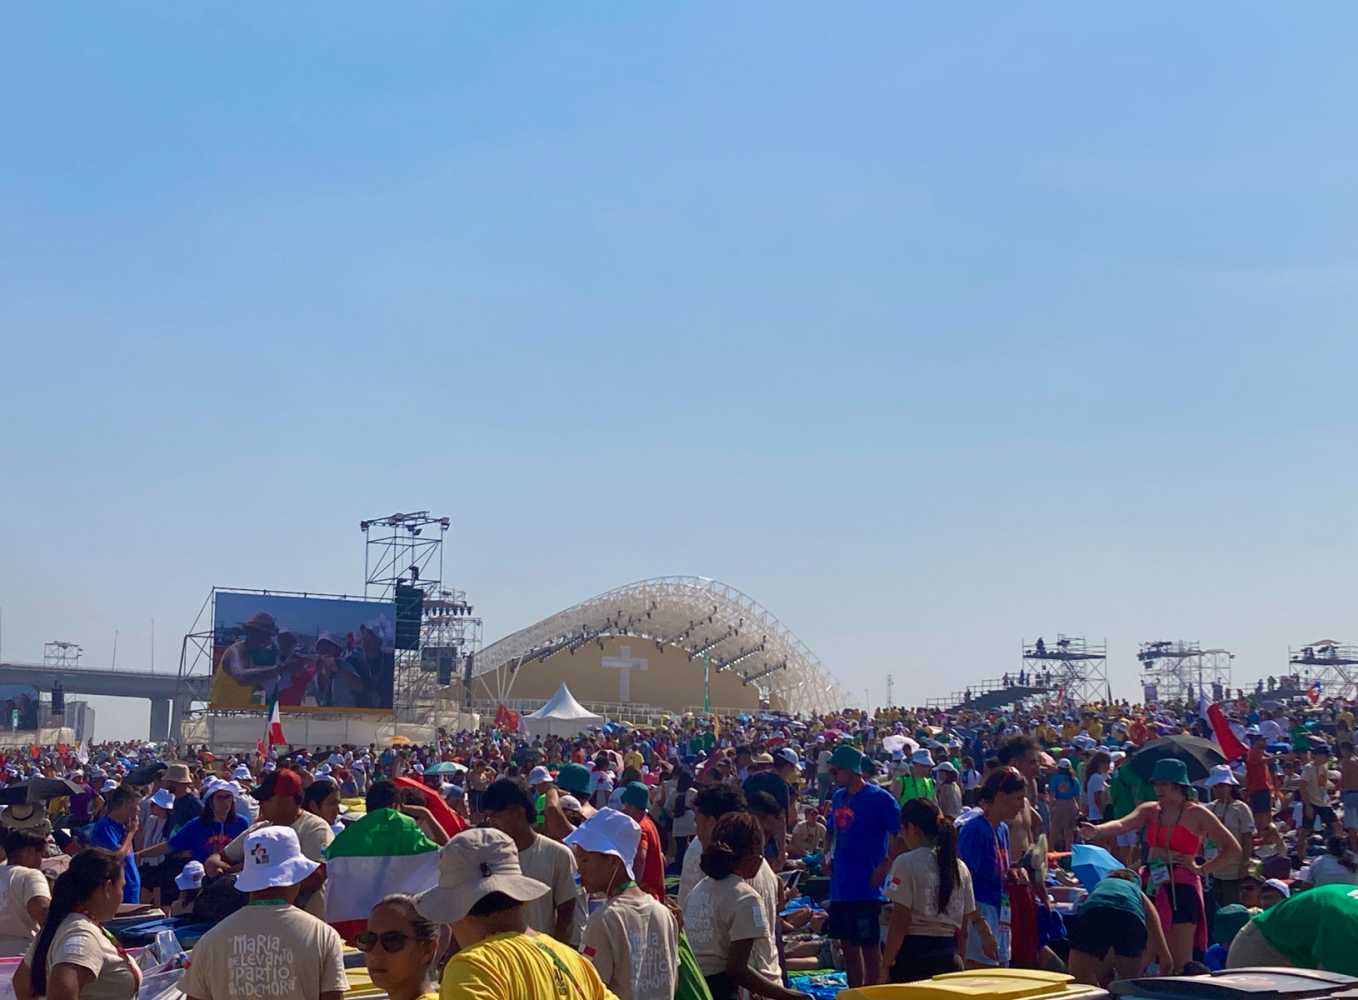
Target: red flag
443	814
274	734
506	719
1230	744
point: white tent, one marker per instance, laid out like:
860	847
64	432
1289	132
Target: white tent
561	716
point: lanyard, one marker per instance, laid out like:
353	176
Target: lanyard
267	902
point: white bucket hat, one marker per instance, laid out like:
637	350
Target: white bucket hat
538	775
191	877
922	757
608	832
241	773
163	798
273	860
1220	775
472	865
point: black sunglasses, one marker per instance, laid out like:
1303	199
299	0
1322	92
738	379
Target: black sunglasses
392	941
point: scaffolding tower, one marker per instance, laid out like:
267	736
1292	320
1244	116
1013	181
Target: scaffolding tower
1334	665
1072	665
1184	671
406	550
61	654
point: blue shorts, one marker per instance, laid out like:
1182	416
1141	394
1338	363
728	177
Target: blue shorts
1350	800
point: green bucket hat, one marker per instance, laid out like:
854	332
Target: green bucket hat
846	758
573	778
1170	769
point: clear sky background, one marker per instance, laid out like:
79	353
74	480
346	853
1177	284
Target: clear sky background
932	328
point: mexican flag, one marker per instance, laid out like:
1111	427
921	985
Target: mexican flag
273	732
382	853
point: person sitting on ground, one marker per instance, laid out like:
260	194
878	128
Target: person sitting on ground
481	892
1337	865
632	938
189	882
808	836
400	945
296	956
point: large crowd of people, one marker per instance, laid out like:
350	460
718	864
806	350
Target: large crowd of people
698	857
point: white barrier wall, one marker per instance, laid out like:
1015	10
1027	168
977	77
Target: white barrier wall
241	732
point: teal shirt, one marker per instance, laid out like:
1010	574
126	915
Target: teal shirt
1117	894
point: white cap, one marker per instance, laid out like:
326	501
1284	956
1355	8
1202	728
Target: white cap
571	802
241	773
108	786
790	755
191	877
323	771
608	832
538	775
273	860
218	785
163	798
947	765
1064	764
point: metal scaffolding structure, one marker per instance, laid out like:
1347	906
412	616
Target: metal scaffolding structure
407	550
714	624
1072	667
1183	671
1334	665
61	654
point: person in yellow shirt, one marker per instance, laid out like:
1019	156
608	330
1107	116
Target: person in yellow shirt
481	892
1094	726
1069	730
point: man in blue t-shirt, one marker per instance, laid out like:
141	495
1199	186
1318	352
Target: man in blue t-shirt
115	832
863	817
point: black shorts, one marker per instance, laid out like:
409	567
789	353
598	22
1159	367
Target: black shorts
1098	928
1260	802
1185	905
1324	813
857	921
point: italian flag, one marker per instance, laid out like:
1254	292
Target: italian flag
382	853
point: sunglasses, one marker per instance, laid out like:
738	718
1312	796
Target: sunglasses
392	941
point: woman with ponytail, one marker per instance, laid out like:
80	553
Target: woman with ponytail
931	899
74	958
724	915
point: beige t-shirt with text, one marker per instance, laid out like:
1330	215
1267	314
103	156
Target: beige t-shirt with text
633	941
274	952
718	913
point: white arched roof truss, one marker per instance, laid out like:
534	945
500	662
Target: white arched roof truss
698	616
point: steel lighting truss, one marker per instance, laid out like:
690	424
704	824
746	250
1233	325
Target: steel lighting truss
706	619
1078	667
1176	667
1333	664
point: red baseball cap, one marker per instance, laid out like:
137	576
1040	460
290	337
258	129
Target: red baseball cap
280	782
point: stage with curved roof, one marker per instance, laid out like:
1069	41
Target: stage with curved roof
693	615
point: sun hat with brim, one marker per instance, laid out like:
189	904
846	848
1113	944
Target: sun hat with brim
191	877
472	865
923	758
947	765
177	774
163	798
538	775
1170	769
1220	775
218	785
573	778
608	832
273	860
846	758
762	758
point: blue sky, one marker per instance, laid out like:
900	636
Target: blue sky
930	328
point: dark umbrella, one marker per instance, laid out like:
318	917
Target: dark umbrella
38	790
146	773
1199	755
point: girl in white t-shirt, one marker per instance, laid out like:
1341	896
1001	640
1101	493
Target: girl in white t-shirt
724	915
1096	786
24	895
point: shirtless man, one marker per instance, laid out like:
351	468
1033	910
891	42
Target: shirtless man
1348	784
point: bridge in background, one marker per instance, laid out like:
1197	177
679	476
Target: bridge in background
170	697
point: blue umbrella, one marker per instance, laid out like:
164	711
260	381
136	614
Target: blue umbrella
1092	864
